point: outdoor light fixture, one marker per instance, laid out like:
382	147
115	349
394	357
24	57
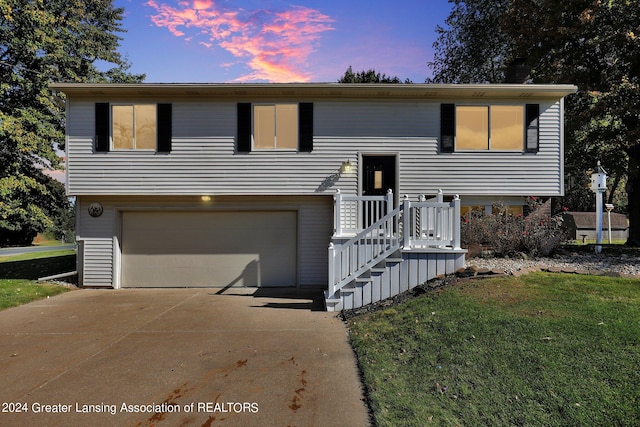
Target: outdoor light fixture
205	198
609	208
346	167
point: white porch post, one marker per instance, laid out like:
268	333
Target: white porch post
422	223
389	201
406	222
337	207
439	223
332	269
456	222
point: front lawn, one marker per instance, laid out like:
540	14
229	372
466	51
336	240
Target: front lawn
542	349
14	292
18	274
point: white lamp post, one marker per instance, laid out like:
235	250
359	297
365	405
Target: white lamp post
609	208
599	186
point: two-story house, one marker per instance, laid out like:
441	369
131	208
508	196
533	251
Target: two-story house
220	185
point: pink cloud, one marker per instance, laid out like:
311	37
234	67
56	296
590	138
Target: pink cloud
275	45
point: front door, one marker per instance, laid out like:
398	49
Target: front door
379	176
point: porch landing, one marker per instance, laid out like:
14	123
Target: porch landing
400	249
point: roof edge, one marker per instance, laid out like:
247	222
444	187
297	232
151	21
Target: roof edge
347	90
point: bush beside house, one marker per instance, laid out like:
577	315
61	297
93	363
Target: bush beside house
504	234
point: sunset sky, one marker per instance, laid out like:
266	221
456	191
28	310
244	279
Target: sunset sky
278	41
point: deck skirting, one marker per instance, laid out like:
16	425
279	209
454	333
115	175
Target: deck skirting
400	272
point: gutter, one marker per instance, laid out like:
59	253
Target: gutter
57	276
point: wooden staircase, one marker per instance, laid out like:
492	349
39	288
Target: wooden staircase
408	246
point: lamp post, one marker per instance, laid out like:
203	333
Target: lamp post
599	186
609	208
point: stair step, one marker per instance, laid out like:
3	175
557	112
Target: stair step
330	300
348	289
399	275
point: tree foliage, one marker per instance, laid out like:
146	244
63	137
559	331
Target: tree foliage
44	41
593	44
369	76
472	47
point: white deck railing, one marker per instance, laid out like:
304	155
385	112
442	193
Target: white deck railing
354	213
372	245
412	225
433	223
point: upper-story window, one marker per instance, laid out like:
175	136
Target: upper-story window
278	126
489	128
126	127
133	127
275	127
496	127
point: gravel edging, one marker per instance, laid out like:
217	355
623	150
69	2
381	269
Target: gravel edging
619	265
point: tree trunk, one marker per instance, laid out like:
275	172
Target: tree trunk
614	187
633	190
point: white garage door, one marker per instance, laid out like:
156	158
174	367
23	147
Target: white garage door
209	249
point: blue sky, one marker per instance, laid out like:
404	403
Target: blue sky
278	41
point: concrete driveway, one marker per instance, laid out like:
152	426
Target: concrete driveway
177	357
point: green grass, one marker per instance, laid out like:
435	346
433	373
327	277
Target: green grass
15	292
36	255
542	349
18	274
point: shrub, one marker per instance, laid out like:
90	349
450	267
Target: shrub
537	234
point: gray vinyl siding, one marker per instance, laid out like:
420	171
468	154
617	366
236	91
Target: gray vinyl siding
97	236
100	236
422	170
204	160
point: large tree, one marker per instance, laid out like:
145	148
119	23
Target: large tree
44	41
591	43
472	47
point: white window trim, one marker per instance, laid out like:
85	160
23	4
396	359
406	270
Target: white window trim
489	149
255	149
133	149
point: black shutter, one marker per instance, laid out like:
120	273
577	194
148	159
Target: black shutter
532	113
447	127
164	126
244	127
102	126
305	126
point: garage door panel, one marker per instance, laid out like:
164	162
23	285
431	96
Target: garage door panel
176	249
194	271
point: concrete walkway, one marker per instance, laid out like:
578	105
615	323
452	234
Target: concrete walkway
177	357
